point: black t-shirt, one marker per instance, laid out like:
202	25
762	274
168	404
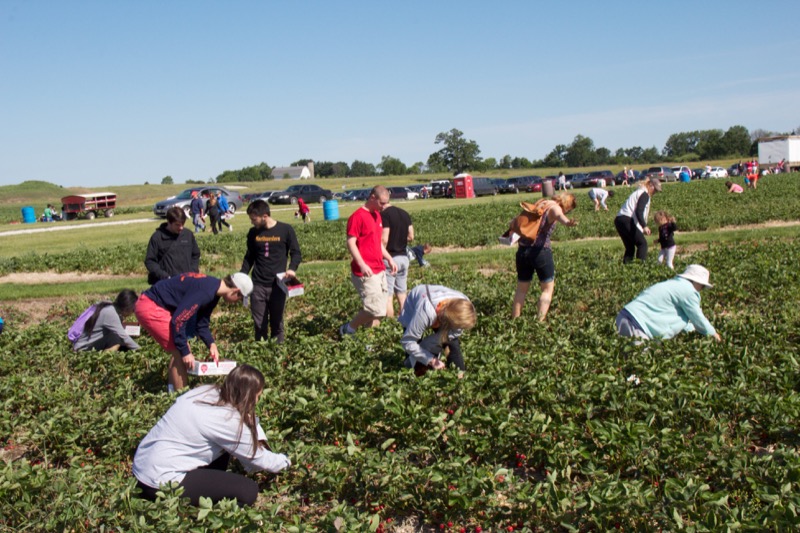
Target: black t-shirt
267	251
398	221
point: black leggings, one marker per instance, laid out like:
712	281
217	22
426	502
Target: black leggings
213	482
633	239
455	358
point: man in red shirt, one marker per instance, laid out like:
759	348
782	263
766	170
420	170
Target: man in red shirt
364	231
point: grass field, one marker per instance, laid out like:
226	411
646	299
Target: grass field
547	431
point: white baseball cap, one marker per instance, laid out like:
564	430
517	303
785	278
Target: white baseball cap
697	273
245	286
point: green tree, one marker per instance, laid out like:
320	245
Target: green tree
581	152
166	180
736	141
391	166
489	163
505	162
458	153
650	155
710	145
556	157
362	169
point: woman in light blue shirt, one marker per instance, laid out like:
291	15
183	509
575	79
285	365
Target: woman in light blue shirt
668	308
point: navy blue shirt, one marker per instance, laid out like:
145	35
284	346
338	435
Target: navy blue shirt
190	298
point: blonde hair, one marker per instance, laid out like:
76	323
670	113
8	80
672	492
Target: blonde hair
663	217
565	200
457	313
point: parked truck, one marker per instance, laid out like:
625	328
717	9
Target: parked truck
773	150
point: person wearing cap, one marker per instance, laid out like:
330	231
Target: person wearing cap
631	221
197	208
269	244
666	309
178	308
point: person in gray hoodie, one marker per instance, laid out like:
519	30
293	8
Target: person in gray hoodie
104	330
448	313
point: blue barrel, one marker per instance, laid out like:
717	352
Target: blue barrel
28	215
330	210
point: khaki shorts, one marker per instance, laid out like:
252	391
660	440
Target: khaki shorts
372	291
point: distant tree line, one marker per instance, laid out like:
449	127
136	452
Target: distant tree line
458	154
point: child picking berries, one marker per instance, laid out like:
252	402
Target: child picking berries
666	237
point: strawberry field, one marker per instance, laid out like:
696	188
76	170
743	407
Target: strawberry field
555	426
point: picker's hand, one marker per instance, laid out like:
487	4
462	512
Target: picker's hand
646	231
188	360
436	364
214	353
365	270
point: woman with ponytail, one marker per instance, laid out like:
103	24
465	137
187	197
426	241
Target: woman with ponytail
100	326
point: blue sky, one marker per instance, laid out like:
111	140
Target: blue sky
100	93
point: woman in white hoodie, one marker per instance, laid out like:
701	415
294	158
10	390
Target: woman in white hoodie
193	442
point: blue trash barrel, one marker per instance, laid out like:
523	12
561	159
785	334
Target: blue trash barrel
330	210
28	215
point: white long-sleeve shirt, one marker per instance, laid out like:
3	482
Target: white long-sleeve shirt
419	314
192	434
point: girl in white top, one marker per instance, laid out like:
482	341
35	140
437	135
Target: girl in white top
193	442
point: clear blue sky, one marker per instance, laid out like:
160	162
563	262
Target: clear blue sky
120	92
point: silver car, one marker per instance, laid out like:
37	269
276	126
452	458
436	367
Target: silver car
185	198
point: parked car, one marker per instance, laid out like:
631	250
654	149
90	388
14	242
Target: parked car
576	180
356	195
733	170
594	177
697	173
618	179
183	200
716	172
516	184
309	194
402	193
662	173
677	171
484	186
260	196
536	185
442	189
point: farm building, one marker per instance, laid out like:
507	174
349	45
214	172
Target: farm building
296	173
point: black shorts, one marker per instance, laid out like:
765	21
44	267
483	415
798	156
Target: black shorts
539	260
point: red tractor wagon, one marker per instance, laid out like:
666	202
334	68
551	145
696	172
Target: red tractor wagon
89	205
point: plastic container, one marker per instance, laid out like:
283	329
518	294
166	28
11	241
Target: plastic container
548	189
330	210
28	215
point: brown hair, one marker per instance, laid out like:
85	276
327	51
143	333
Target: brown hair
176	214
664	217
457	313
240	390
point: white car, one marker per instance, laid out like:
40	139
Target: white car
716	172
678	170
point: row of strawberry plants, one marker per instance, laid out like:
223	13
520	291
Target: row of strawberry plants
697	206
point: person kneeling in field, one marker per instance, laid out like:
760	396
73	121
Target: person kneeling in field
193	442
100	326
177	308
668	308
448	313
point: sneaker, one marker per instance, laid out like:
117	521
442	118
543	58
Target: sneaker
343	330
